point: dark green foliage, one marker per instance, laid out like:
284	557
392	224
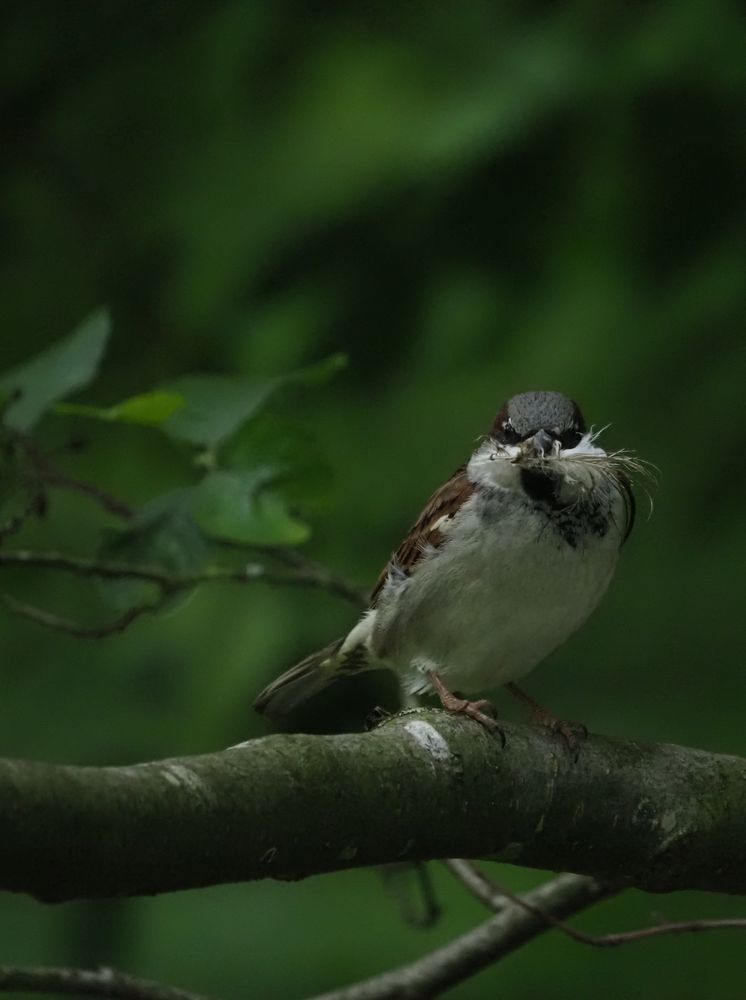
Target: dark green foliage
148	408
270	463
31	388
162	534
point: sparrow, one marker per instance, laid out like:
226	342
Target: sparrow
507	559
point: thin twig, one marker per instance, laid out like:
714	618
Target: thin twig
34	498
247	573
311	569
15	523
110	503
643	933
481	887
26	559
51	476
467	955
60	624
320	580
168	583
101	982
494	896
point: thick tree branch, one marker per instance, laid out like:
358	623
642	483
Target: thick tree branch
421	786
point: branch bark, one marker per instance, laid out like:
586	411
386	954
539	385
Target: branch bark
101	982
423	785
471	952
304	573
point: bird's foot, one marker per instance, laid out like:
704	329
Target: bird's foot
482	711
572	733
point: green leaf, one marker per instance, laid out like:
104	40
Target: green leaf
164	535
241	507
302	474
216	406
318	373
62	369
149	408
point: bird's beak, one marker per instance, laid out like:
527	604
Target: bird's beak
541	445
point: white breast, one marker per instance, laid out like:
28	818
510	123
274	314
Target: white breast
503	591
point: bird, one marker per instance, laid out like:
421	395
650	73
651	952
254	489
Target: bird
506	561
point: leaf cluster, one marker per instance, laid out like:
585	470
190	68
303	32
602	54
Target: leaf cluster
250	475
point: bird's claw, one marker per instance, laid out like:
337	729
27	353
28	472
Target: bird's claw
572	733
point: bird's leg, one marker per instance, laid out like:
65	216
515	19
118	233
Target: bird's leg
571	732
481	711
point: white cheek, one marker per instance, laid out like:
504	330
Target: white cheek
495	468
578	478
584	446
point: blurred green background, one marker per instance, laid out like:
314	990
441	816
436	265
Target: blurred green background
469	200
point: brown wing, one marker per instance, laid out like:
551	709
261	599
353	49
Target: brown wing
445	502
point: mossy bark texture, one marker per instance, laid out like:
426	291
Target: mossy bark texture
423	785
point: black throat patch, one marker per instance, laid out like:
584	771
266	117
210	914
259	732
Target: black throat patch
572	522
542	486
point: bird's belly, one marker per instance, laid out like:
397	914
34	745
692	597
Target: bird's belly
491	603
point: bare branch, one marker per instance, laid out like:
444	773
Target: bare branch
317	578
494	896
41	617
26	559
644	933
109	503
312	569
101	982
303	575
14	524
250	572
519	920
481	887
467	955
48	474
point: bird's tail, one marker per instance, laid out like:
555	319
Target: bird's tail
306	678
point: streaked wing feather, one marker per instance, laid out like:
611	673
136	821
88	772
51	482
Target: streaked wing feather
445	502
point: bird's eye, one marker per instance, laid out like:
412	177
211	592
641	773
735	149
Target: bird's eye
569	439
510	434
